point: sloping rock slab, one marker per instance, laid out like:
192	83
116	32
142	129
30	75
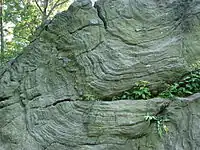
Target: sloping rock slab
105	49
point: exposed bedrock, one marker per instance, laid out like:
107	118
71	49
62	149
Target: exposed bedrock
102	50
101	125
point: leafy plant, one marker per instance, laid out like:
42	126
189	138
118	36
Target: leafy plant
89	97
170	91
160	123
186	86
196	65
139	91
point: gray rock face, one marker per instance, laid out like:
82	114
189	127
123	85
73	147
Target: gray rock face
102	50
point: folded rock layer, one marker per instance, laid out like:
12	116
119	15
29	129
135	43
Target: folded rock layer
101	50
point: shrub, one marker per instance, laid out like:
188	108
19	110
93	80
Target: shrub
188	85
139	91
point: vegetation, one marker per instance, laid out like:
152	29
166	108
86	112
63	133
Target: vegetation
196	65
186	86
160	123
19	19
89	97
139	91
189	84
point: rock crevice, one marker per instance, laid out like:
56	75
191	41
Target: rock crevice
101	52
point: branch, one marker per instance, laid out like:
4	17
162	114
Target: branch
45	7
62	3
38	6
52	8
56	5
44	13
24	3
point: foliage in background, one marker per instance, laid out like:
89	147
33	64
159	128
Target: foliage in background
20	19
139	91
1	31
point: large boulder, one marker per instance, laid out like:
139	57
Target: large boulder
102	50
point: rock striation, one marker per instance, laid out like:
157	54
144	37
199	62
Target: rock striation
101	50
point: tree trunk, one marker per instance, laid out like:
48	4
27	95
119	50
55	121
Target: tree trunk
1	28
44	13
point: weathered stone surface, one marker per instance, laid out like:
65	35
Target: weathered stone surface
95	125
108	48
101	51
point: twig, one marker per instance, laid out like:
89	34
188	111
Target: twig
38	6
56	5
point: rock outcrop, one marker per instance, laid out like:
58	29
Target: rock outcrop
102	50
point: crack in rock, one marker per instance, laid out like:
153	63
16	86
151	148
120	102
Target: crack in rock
100	15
